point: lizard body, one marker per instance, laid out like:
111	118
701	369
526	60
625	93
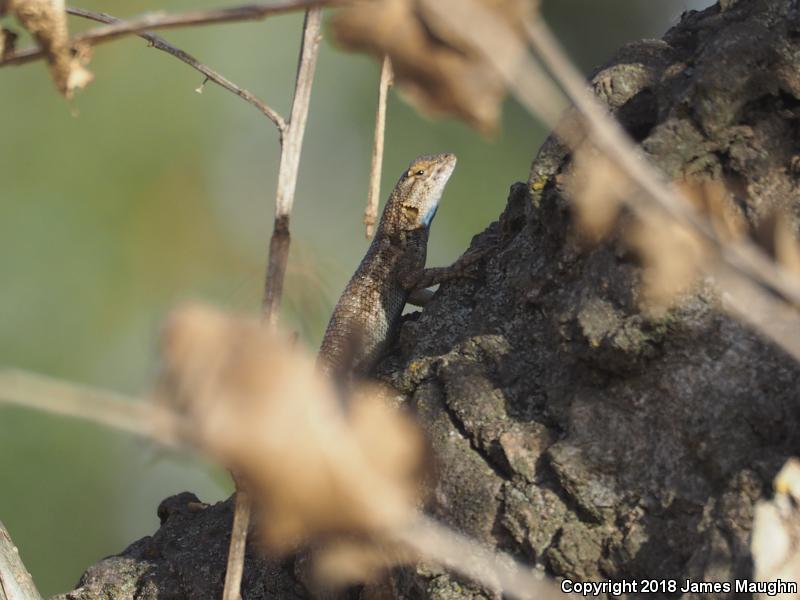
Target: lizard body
394	266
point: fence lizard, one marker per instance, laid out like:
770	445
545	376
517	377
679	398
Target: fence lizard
370	306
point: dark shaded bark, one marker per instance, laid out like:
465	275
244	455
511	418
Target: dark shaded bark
571	429
185	558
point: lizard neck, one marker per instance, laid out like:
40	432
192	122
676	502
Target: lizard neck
395	224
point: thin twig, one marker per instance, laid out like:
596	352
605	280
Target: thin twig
242	509
492	569
154	21
289	165
742	257
211	75
752	305
15	581
371	212
291	148
53	396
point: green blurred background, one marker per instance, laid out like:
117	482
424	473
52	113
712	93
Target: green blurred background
142	193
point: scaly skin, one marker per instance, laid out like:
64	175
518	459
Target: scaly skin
369	309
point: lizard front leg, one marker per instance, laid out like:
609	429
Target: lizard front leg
420	297
420	294
418	279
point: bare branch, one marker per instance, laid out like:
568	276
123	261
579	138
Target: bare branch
371	212
15	581
154	21
72	400
242	509
289	165
161	44
291	148
290	159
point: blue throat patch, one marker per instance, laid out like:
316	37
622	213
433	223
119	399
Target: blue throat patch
428	216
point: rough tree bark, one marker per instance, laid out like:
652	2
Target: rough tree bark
571	429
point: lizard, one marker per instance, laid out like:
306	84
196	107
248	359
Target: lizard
368	311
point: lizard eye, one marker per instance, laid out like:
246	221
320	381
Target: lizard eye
421	172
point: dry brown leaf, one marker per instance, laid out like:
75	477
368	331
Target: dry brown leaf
787	250
597	188
46	21
436	69
776	236
672	255
260	406
347	561
711	198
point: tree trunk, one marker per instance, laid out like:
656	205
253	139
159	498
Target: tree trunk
571	429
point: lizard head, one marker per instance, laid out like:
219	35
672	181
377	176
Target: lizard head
420	188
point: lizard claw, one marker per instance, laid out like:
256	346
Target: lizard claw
471	257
